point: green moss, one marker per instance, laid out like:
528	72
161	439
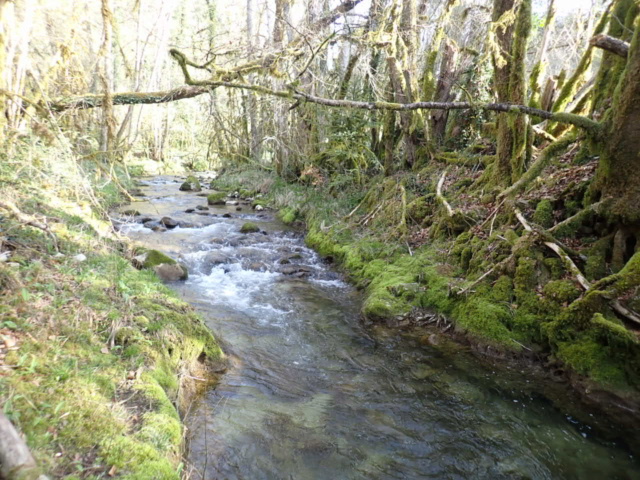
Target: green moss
217	198
287	215
419	209
249	227
191	184
596	266
486	320
562	291
502	290
544	214
588	357
465	258
155	258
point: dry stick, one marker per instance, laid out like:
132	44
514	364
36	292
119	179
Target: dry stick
495	210
486	274
439	195
617	306
16	461
567	260
28	220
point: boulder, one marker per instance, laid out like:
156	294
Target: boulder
258	208
295	270
168	222
191	184
216	258
131	213
166	268
257	267
216	198
158	228
226	215
171	273
202	207
249	227
190	210
232	203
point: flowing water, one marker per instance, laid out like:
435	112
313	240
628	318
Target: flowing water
313	394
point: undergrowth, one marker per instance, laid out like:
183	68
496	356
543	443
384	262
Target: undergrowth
97	359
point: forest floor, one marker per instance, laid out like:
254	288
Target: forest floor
98	360
475	274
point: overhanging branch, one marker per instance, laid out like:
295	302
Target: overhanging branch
128	98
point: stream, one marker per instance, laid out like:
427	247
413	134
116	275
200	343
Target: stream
311	393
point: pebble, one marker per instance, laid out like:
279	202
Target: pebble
81	257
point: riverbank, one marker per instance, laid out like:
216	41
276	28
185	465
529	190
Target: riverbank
98	360
488	283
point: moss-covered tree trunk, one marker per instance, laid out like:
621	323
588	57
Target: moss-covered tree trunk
512	24
619	169
620	26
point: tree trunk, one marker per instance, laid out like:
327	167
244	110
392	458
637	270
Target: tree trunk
539	66
618	172
512	23
443	90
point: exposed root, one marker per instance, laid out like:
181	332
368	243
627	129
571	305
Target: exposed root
536	168
580	217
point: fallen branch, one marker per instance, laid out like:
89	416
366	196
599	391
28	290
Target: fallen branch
16	461
440	197
127	98
30	221
611	44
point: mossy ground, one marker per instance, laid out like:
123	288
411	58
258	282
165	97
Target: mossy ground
393	240
98	357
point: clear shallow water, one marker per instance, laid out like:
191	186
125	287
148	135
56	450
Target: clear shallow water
312	394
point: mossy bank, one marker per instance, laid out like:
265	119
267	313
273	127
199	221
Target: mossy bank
98	360
488	282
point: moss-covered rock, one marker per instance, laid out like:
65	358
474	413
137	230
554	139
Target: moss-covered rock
249	227
191	184
217	198
165	267
156	257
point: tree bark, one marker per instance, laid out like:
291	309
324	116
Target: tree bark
127	98
610	44
443	90
618	172
512	23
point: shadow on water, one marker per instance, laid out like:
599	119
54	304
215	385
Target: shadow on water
311	394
